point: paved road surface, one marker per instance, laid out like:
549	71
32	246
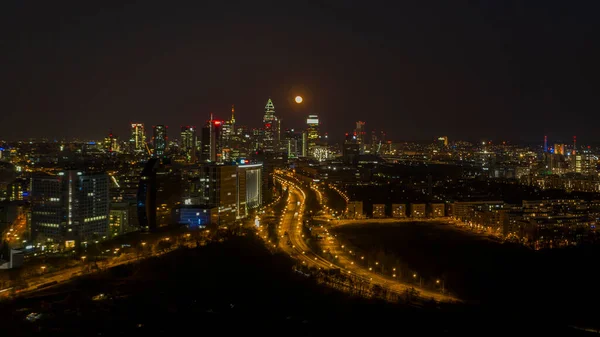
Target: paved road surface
300	250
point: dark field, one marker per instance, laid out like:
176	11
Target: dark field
232	288
498	276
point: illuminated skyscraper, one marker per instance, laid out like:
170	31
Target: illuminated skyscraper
271	125
110	143
359	135
228	137
442	141
159	140
312	132
293	143
188	142
211	141
137	141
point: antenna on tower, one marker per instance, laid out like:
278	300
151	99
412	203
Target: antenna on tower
574	144
545	143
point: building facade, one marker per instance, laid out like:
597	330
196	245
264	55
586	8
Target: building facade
71	206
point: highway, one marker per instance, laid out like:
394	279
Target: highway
15	233
35	281
291	222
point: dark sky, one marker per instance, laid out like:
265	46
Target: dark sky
513	70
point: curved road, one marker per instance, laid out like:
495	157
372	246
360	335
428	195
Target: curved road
291	222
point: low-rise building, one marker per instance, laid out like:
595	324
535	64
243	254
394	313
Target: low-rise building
354	210
398	210
437	210
418	210
378	210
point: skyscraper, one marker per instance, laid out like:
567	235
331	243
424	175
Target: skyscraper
211	141
293	143
271	124
70	206
137	141
110	143
188	142
228	137
159	140
312	133
359	134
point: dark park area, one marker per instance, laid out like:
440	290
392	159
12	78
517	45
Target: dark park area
498	277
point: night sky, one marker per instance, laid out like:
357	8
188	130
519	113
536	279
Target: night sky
503	70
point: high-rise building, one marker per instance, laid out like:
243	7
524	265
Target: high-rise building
110	143
159	140
359	134
188	142
312	133
304	144
146	196
271	127
293	143
218	188
350	150
375	142
212	141
229	129
249	188
560	149
68	207
442	141
229	139
137	142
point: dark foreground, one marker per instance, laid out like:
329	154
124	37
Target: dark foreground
233	288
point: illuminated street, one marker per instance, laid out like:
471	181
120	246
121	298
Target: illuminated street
292	224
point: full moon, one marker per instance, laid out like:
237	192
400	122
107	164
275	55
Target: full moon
298	99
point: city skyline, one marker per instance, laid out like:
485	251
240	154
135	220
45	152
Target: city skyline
488	77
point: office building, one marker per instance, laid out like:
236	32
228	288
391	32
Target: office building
249	188
188	141
350	150
69	207
137	141
271	129
359	134
211	141
159	140
111	144
304	144
312	133
293	144
218	188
